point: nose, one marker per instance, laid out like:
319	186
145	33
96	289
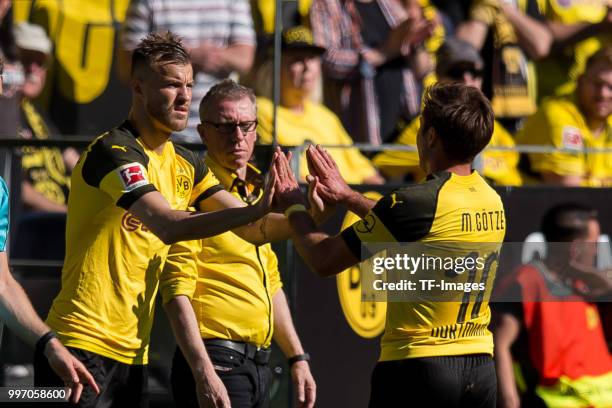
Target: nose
237	134
184	93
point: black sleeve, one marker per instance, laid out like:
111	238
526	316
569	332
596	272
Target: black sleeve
533	10
110	152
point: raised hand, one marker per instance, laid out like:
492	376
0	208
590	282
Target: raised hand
331	187
287	190
212	393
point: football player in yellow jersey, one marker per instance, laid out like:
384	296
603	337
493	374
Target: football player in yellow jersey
574	123
458	61
129	196
428	358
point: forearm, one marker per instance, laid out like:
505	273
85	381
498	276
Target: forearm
533	37
17	311
358	204
505	375
284	332
564	35
35	200
186	226
187	334
237	58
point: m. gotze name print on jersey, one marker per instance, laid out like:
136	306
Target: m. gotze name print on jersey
482	221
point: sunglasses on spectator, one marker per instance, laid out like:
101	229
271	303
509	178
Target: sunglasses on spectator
230	127
459	72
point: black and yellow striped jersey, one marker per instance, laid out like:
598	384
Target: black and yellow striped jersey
446	208
113	262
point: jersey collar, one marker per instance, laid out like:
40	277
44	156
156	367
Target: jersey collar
249	190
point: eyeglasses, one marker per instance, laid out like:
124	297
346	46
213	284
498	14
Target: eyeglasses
230	127
459	71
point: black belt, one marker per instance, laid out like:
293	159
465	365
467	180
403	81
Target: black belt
250	351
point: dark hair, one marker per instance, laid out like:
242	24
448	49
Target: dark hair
462	118
602	56
227	89
8	47
159	48
566	222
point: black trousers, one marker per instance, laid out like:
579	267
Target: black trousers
247	383
121	385
435	382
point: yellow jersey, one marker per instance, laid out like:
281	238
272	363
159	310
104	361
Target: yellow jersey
317	125
113	262
447	208
233	281
499	166
560	123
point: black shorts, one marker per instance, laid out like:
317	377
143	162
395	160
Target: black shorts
121	385
444	382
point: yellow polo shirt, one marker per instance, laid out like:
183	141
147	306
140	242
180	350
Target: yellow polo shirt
317	125
560	123
499	166
230	281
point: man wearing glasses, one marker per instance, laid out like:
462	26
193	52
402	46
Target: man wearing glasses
234	285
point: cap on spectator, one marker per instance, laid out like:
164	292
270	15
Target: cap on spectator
32	37
299	38
453	52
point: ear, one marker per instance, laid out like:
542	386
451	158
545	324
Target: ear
201	132
136	85
431	137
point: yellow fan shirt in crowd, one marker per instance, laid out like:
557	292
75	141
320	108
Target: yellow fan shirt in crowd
317	125
560	123
232	282
557	74
499	166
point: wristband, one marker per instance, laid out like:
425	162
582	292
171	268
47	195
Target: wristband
300	357
295	208
44	339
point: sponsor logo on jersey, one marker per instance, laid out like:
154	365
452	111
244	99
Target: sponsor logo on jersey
130	223
571	138
132	176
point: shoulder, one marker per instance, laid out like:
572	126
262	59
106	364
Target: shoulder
264	107
117	140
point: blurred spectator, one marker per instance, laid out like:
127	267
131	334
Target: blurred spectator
374	63
458	61
293	13
218	33
575	122
12	77
549	327
83	93
300	120
516	36
579	29
453	12
46	179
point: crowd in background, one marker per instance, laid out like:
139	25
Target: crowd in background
67	68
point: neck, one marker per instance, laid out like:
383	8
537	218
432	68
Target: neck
596	125
151	134
462	169
293	101
241	172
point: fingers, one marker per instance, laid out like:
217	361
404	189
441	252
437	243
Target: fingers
311	395
76	390
317	164
327	157
84	376
301	393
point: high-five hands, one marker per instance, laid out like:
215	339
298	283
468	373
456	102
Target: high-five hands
286	188
330	186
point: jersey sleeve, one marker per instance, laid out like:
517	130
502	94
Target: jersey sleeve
180	273
205	184
272	268
116	164
484	11
406	215
4	214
